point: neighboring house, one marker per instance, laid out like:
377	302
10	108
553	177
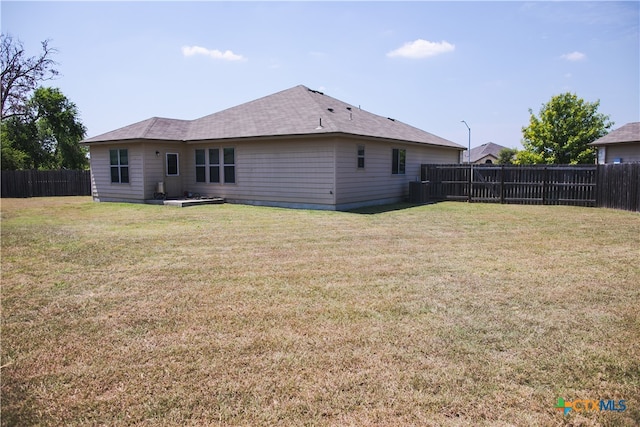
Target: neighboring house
619	146
485	153
295	148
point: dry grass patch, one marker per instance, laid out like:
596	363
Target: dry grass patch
448	314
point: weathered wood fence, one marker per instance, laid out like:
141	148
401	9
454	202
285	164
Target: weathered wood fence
37	183
614	186
619	186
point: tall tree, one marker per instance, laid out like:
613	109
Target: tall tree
46	135
566	124
59	128
14	135
20	74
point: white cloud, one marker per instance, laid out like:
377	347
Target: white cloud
574	56
421	49
227	55
317	54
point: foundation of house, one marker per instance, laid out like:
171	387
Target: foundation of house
183	203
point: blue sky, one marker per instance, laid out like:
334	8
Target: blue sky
428	64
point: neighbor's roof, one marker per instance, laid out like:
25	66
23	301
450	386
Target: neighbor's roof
481	151
627	133
295	111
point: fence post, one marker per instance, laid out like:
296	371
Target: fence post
502	184
545	176
470	178
30	179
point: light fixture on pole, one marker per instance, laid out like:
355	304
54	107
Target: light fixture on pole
469	161
468	152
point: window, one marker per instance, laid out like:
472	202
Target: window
602	155
214	165
229	165
172	164
201	168
360	156
208	161
399	157
119	161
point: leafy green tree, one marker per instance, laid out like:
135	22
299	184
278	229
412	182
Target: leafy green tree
40	127
524	157
20	146
12	158
59	128
506	156
46	135
566	124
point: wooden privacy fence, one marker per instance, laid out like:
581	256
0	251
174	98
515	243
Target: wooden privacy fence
579	185
619	186
37	183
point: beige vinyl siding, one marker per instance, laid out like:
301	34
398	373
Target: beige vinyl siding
102	187
629	152
302	172
154	168
291	171
375	181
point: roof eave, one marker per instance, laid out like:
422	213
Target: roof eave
604	143
130	141
323	134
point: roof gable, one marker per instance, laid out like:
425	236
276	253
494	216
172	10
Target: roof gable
627	133
487	149
295	111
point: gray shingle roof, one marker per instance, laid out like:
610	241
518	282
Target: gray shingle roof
483	150
627	133
153	128
295	111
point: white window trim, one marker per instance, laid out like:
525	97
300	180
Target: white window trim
220	165
224	165
202	165
119	166
404	172
210	165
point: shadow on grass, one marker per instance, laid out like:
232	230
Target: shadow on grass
17	405
372	210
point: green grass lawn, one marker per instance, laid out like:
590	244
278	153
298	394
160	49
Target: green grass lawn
446	314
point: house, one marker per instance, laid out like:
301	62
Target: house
296	148
619	146
485	153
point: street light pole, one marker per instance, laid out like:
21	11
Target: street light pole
468	152
469	160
